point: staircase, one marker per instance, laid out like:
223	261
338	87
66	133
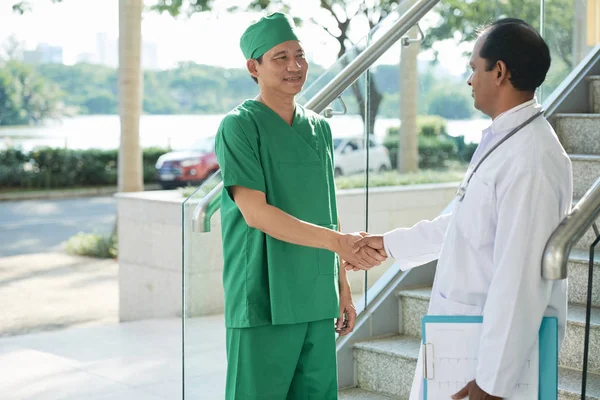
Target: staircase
385	366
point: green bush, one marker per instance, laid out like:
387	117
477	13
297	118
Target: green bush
92	245
427	125
434	151
435	146
47	168
392	178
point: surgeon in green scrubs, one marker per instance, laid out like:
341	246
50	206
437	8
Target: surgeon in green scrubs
280	229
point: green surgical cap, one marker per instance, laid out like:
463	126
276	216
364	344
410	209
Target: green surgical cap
267	33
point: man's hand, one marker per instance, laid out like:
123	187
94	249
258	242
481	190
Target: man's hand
370	243
365	258
345	323
474	392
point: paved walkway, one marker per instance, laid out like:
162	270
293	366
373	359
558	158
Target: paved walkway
127	361
60	338
49	291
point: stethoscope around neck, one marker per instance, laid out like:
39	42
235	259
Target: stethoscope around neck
462	189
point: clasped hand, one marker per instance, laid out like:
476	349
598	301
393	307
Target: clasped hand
361	251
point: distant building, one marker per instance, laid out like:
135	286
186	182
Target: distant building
107	51
44	54
88	58
149	55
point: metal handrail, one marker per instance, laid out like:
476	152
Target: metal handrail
210	203
206	208
556	254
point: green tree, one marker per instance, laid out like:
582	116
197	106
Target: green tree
23	6
26	97
450	101
461	20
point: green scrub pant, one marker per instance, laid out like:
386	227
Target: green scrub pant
282	362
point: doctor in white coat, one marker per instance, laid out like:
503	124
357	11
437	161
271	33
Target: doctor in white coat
515	193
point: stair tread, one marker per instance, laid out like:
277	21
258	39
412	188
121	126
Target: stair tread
403	346
578	115
593	77
584	157
361	394
576	314
569	382
416	293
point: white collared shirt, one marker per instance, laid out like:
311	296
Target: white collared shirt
489	248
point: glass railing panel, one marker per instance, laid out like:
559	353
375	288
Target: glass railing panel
204	357
563	26
347	131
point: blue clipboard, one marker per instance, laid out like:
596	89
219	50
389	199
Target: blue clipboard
548	342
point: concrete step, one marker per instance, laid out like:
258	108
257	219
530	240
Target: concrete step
587	239
361	394
579	133
586	170
578	278
571	354
413	305
569	385
594	82
387	365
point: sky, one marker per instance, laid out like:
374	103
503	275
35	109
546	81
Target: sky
207	38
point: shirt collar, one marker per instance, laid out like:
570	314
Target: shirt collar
513	117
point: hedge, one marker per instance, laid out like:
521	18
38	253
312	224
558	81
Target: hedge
435	146
49	168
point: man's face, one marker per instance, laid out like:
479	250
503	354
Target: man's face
283	68
482	82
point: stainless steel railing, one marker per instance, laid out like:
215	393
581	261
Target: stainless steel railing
556	254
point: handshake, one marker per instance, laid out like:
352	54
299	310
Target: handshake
360	251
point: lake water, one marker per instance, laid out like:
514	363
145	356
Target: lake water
178	131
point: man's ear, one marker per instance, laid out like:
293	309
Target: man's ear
502	73
251	66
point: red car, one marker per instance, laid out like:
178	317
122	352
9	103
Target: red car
188	167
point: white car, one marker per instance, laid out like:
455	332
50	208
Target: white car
350	155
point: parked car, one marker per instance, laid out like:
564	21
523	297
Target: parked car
350	155
188	167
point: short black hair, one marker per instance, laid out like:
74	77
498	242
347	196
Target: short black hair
522	49
260	60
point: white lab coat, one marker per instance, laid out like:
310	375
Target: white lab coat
489	248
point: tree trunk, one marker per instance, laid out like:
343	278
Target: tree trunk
408	152
130	95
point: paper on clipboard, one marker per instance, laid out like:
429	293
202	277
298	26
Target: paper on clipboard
450	360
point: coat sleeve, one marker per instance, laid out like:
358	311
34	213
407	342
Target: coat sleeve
528	211
419	244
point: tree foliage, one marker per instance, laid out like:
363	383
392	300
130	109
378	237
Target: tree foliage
24	6
461	20
25	96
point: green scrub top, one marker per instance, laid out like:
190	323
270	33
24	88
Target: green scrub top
268	281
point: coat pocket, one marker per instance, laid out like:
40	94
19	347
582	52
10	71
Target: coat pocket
453	307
